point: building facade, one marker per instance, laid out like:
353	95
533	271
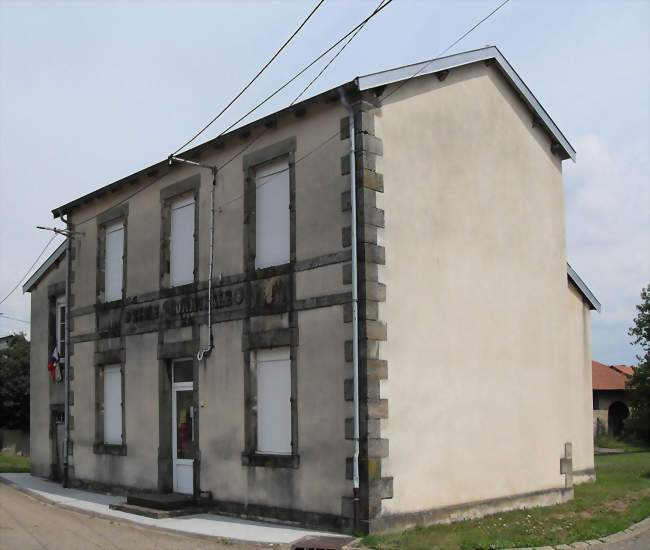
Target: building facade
611	397
211	312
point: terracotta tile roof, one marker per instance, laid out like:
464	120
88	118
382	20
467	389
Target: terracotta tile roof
624	369
605	377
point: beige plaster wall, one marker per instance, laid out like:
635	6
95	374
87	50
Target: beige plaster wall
319	218
138	468
476	294
43	392
579	378
319	483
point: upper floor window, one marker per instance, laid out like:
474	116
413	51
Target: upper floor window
181	241
60	326
114	261
272	216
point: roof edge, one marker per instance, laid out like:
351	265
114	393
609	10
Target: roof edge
391	76
215	143
45	266
583	288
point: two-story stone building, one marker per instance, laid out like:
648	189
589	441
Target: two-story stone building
213	328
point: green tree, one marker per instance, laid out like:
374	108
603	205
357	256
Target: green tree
638	424
14	383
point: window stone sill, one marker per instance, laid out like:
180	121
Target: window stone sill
270	461
109	449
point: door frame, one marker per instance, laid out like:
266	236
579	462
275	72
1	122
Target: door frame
175	388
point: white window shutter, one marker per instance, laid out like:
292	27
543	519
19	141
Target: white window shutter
274	401
182	242
112	405
114	261
272	220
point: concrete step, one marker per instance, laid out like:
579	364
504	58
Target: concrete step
154	512
161	501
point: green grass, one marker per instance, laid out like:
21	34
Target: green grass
619	498
12	463
609	442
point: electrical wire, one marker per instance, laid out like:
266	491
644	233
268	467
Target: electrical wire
250	143
299	73
381	6
383	98
29	270
214	119
3	316
331	60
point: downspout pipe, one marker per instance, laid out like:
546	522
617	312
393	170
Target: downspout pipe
66	371
355	312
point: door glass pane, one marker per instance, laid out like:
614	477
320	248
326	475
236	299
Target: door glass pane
184	424
183	371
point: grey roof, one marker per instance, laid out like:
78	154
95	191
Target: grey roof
45	266
436	65
360	83
583	288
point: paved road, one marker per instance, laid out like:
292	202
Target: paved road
30	524
637	542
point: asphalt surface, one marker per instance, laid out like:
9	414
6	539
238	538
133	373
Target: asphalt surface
637	542
27	523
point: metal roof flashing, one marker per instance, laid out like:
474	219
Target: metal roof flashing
392	76
45	266
561	145
582	288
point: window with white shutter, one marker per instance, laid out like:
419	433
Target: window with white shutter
60	326
181	242
114	261
272	219
273	401
113	405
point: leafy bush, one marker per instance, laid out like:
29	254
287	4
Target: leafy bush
14	384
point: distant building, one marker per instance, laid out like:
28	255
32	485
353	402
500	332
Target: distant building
473	349
5	341
611	398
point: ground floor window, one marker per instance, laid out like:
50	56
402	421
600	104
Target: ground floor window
273	401
113	405
271	424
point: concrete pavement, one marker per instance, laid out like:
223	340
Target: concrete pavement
207	525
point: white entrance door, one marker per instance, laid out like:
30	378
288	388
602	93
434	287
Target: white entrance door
183	429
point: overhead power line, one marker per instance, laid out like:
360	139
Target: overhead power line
214	119
3	316
466	33
29	270
381	6
299	73
327	140
333	59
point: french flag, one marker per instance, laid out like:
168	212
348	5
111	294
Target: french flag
54	363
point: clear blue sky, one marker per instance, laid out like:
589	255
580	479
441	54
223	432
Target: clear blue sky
90	92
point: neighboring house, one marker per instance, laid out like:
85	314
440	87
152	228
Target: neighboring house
5	341
611	398
474	387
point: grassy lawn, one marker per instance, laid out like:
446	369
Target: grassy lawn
619	498
13	463
609	442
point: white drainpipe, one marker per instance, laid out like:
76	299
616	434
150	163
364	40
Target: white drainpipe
66	371
355	316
